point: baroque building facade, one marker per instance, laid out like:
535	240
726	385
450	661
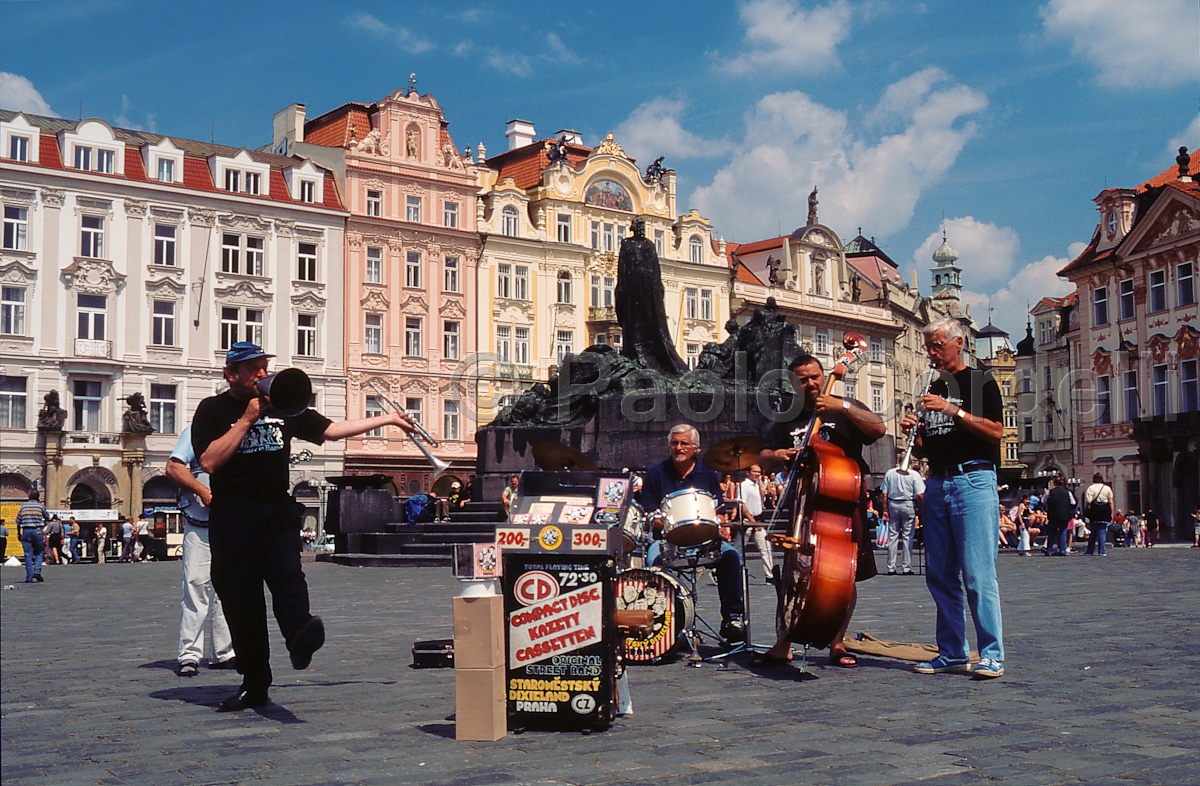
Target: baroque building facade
130	262
553	213
412	252
1045	382
1137	398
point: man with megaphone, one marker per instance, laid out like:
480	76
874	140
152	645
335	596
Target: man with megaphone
243	438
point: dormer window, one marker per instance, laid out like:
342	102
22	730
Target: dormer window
308	191
19	140
18	148
166	170
233	179
83	158
104	161
252	181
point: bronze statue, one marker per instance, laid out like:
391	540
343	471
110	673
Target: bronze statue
640	309
52	417
812	207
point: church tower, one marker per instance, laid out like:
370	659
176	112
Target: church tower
947	277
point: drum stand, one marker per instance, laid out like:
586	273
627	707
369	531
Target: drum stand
748	645
695	634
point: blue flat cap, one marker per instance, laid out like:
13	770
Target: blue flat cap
244	350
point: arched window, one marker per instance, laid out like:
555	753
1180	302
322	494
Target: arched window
510	221
564	287
696	250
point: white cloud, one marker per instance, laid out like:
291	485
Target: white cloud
782	36
1029	284
561	54
1134	43
395	34
986	252
124	120
1189	137
520	65
653	129
19	94
793	143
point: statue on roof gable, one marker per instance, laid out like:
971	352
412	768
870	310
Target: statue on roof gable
556	150
812	207
655	173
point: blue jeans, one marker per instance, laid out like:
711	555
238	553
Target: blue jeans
33	540
961	521
1099	535
1056	539
729	577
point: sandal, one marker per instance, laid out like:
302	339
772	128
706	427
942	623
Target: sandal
767	659
842	659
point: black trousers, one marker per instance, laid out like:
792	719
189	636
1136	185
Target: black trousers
256	540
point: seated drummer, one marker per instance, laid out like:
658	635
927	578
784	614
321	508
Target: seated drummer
849	425
683	471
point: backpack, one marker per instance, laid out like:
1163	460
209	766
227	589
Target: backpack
1097	510
418	509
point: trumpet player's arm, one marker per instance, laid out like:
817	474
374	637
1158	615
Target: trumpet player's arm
352	428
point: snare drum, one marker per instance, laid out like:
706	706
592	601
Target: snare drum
635	529
673	610
689	517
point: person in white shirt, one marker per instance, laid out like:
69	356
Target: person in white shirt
902	495
750	493
1098	510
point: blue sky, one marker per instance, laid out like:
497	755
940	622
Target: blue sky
1004	118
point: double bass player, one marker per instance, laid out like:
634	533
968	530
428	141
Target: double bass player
849	425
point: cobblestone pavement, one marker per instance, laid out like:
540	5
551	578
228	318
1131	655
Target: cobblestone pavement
1097	691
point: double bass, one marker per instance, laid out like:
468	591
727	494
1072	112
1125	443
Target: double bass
820	555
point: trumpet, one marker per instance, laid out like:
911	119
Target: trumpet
912	435
421	438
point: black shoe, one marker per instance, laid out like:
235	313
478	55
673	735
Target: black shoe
307	640
38	577
908	573
242	700
223	664
188	669
891	573
733	629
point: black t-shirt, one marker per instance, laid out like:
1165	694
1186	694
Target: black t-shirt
835	428
946	442
260	465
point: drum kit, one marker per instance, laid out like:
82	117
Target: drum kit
690	523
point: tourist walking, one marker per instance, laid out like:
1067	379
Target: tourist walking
1098	510
31	523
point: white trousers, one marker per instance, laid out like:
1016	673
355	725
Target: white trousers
200	603
759	535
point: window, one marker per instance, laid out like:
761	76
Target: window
1185	279
503	344
823	342
450	275
1006	389
692	354
1127	304
18	148
104	161
412	337
163	329
91	237
1027	431
689	303
696	250
1158	290
83	158
450	428
412	270
373	335
373	409
620	234
253	179
1103	401
308	191
306	335
1047	379
374	271
162	408
706	305
504	281
1160	391
232	179
306	262
1131	395
1010	452
12	402
1010	419
12	311
374	203
595	235
16	228
608	237
563	341
1026	381
450	214
564	228
875	353
1100	306
1049	432
412	209
510	221
1133	494
92	312
660	242
415	408
166	170
232	249
254	256
231	253
86	404
521	283
1189	387
877	398
521	347
164	244
564	287
610	286
595	292
450	340
238	324
1046	330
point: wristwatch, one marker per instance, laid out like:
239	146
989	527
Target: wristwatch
962	413
845	404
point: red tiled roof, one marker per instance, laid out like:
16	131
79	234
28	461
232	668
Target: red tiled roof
761	245
525	164
49	154
746	276
197	175
332	129
134	168
1087	256
1171	174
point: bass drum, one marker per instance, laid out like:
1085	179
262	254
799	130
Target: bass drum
671	603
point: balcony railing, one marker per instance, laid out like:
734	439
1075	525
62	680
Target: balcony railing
93	438
602	314
93	348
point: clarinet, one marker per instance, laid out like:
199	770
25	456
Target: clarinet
912	435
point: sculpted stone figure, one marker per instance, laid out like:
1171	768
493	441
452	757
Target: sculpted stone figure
52	417
135	420
812	207
640	309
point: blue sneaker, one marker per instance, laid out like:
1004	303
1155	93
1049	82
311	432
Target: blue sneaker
987	669
942	664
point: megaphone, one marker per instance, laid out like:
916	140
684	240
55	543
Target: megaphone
290	391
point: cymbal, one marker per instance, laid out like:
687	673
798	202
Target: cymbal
733	454
556	457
